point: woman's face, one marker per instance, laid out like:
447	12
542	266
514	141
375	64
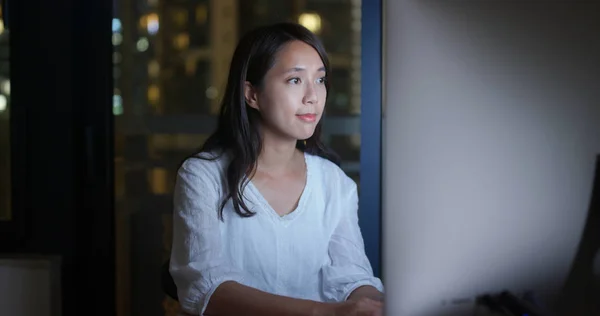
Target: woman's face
292	97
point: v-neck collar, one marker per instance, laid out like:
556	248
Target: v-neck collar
287	218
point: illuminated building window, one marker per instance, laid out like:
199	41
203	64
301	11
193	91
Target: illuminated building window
153	69
3	103
117	104
5	86
181	41
117	57
142	44
116	25
190	66
150	23
201	14
311	21
212	93
117	39
158	181
153	94
180	17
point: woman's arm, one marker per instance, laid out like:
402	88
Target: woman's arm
368	292
349	273
232	298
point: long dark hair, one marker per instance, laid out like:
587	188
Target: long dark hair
237	133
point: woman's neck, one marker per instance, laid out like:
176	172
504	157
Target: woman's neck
277	155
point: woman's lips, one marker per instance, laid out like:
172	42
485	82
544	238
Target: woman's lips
307	117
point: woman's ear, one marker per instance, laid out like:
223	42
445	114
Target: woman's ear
251	95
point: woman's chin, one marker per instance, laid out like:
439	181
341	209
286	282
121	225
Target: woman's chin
305	136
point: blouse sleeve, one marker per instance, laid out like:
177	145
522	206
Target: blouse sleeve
349	266
198	265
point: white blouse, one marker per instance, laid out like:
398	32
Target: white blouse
316	252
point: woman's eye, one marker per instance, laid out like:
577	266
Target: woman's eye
321	80
294	80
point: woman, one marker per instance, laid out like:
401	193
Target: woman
265	222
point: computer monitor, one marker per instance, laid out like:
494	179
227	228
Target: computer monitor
490	133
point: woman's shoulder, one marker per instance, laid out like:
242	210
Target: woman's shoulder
332	175
205	164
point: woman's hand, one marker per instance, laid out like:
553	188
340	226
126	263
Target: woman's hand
360	307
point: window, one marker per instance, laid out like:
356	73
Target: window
173	59
5	172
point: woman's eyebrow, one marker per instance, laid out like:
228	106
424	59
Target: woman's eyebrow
300	69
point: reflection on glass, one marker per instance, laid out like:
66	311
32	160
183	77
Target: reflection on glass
5	189
171	59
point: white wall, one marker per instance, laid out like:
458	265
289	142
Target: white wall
491	126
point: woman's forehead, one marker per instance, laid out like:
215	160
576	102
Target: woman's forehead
298	56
